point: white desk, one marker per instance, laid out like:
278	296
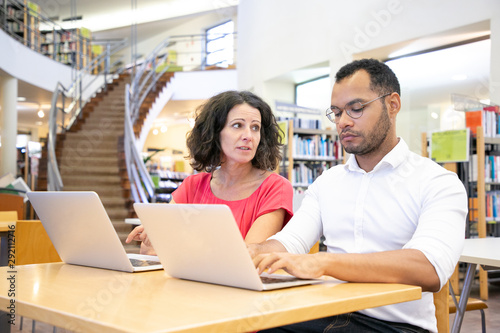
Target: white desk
477	251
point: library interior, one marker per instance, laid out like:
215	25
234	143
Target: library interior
101	97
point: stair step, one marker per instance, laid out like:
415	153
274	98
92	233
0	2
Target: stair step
102	191
92	170
113	202
73	149
91	180
117	213
83	162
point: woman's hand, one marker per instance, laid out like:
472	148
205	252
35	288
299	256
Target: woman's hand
139	235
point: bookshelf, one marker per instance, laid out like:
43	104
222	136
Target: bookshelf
21	20
483	208
479	182
310	151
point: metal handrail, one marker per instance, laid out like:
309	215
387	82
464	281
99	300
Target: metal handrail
84	84
147	74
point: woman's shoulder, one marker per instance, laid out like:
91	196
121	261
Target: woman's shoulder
198	178
274	179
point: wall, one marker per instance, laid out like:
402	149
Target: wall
312	32
25	64
197	25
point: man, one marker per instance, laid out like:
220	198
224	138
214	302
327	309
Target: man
387	215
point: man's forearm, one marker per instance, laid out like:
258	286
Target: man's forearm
268	246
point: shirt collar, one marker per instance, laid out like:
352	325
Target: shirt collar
393	159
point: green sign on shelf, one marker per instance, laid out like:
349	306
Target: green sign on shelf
450	146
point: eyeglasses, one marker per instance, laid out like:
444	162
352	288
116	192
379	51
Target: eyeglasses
353	110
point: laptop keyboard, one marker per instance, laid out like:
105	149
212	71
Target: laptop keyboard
268	280
142	262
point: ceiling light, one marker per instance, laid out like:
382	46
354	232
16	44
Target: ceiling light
155	131
21	99
434	115
41	114
164	128
459	77
485	101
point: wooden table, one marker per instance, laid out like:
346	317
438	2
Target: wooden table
477	251
96	300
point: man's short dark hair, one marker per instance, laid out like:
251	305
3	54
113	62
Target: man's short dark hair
203	141
382	78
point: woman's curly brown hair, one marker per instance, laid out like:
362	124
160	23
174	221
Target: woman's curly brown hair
203	141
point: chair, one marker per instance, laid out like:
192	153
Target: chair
441	302
12	202
8	216
33	245
446	304
472	304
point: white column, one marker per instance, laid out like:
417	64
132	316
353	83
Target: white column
494	63
8	125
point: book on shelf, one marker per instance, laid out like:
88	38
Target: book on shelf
492	205
488	117
491	168
316	146
303	174
473	209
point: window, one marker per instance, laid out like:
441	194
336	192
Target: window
220	45
314	94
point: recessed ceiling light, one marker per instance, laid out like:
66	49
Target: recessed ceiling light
41	114
459	77
155	131
21	99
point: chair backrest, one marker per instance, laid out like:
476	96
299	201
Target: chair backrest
33	245
442	304
8	216
12	202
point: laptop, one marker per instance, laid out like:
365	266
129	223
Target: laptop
202	243
82	233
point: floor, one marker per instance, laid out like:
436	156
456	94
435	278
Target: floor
471	323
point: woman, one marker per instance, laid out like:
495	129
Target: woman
235	144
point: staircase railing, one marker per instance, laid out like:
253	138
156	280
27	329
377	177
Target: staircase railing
67	103
147	73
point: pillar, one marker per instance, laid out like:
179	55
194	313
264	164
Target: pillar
8	125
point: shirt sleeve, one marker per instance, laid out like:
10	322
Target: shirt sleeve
440	232
192	189
276	193
304	228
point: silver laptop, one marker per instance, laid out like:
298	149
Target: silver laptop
82	233
202	243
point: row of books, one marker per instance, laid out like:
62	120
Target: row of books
488	118
314	146
303	123
491	169
16	13
303	174
58	48
493	205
